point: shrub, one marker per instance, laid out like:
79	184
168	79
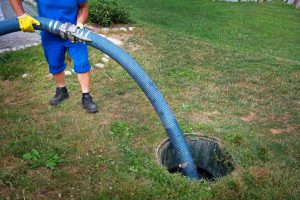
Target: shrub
107	12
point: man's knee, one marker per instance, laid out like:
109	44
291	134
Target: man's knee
81	68
56	69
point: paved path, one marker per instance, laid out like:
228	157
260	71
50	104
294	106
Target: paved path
18	40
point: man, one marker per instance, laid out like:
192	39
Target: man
72	11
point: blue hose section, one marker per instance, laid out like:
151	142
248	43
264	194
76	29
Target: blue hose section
142	79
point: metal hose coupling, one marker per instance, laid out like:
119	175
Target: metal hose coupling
73	33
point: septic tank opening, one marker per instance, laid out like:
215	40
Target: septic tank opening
211	162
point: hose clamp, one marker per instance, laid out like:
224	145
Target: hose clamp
73	33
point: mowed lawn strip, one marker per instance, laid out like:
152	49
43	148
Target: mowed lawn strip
264	28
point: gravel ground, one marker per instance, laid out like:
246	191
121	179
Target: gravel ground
17	40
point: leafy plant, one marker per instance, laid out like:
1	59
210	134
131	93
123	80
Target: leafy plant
34	158
50	160
107	12
121	128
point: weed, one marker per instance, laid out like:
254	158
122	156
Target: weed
50	160
34	158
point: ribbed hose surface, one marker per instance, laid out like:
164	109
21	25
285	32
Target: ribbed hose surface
142	79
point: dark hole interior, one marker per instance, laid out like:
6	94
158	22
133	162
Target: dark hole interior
211	162
202	172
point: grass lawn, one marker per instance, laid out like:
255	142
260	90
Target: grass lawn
229	71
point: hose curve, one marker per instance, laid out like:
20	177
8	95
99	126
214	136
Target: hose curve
139	75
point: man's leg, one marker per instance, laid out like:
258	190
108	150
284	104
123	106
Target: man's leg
85	81
61	89
87	101
60	79
55	56
79	55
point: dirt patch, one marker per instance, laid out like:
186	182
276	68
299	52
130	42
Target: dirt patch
284	117
133	47
5	192
10	168
199	55
248	86
19	98
259	172
40	175
71	170
47	194
278	131
120	36
111	113
10	163
249	118
204	117
124	38
191	92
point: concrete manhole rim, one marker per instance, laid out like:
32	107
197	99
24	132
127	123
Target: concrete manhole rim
187	135
195	136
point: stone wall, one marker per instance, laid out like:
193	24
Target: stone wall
291	2
294	2
236	1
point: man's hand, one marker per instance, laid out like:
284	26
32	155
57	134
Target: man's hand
26	23
80	25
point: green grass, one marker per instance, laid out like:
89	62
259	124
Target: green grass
267	28
243	92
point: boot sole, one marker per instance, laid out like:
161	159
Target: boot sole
56	104
91	111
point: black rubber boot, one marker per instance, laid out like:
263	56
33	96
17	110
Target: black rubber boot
88	104
60	95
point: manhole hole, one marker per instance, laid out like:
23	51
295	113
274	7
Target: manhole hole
211	162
